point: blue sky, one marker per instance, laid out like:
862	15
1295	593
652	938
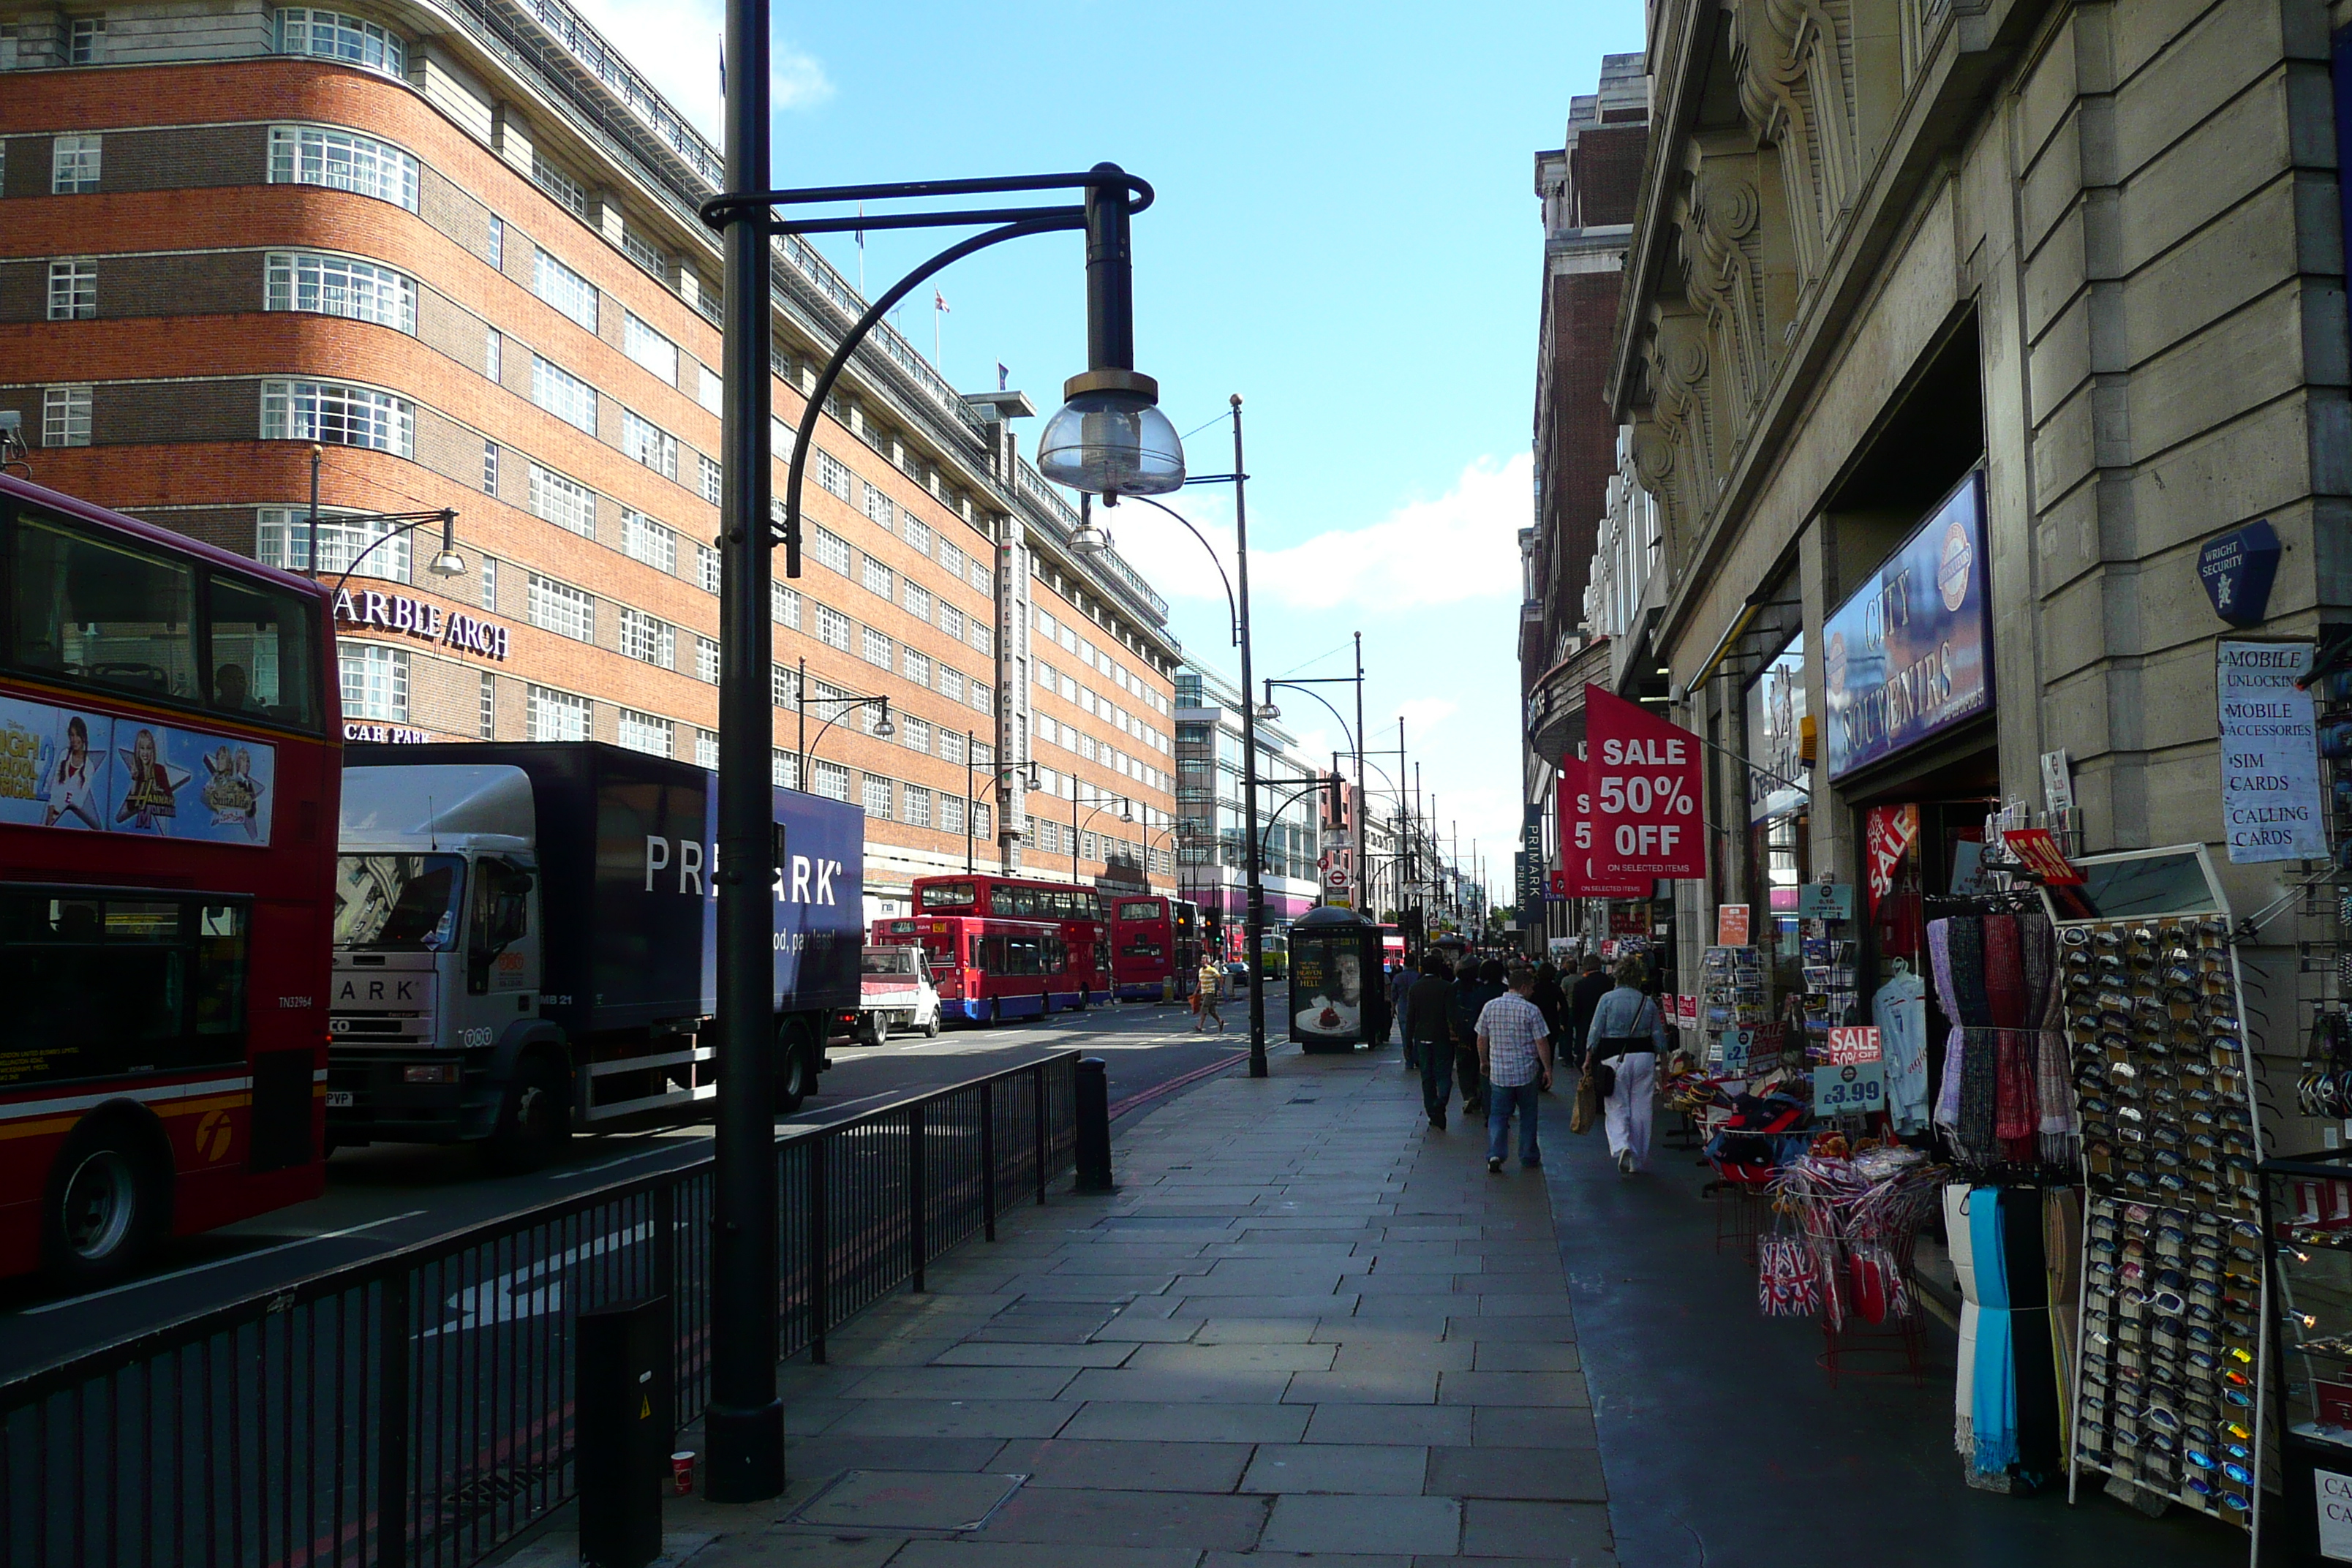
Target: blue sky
1347	234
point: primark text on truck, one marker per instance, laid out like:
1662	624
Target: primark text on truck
525	944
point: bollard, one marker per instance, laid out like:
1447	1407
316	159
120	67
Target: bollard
1093	1134
622	1433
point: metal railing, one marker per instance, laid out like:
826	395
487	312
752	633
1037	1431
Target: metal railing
417	1408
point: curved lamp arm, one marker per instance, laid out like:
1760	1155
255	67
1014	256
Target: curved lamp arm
446	517
1232	606
1270	684
848	705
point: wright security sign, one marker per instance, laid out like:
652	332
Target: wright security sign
1644	778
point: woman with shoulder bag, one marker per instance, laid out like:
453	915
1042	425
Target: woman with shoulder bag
1627	1036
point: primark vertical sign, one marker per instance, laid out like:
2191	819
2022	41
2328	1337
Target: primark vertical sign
2270	754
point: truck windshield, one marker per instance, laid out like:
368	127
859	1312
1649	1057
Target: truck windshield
889	961
398	903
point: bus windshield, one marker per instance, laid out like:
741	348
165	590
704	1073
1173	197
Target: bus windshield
948	896
398	903
1140	909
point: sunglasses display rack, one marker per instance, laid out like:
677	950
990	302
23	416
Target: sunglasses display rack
2168	1393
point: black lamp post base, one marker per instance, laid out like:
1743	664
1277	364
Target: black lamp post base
746	1457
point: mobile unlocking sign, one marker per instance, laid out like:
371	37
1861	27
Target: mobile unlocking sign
1645	776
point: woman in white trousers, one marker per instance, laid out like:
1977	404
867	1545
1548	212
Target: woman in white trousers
1628	1034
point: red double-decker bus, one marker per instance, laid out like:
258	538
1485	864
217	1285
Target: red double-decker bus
1079	912
1153	940
170	765
986	970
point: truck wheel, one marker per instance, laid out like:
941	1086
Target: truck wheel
872	1030
931	1029
104	1207
535	1120
795	1067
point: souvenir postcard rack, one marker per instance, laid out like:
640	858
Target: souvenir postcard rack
2168	1393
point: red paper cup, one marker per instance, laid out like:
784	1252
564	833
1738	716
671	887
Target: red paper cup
681	1473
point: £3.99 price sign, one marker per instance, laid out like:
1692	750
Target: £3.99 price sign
1643	773
1854	1089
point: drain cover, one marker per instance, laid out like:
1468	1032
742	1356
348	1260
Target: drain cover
889	1501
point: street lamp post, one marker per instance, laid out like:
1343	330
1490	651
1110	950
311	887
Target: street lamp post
1110	437
846	704
971	801
1126	813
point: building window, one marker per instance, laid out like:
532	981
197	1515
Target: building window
829	548
646	442
952	559
950	620
708	473
558	715
784	604
914	733
878	507
494	354
875	648
917	599
89	41
980	697
645	540
73	164
494	248
559	184
645	253
647	639
649	348
73	290
567	504
915	667
976	632
360	43
832	474
783	769
707	567
490	709
706	748
916	534
375	681
831	625
950	745
489	584
563	394
708	389
338	415
951	814
878	578
915	806
560	609
342	160
875	795
979	574
644	732
983	755
830	780
367	547
781	688
706	660
338	286
979	820
950	683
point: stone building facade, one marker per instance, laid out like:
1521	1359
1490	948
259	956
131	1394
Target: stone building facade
455	249
2064	281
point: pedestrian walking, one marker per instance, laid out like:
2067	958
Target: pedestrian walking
1208	988
1515	1059
1473	989
1552	1000
1401	983
1590	988
1626	1037
1429	1034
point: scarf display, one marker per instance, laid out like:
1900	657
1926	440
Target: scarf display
1993	1407
1940	966
2005	972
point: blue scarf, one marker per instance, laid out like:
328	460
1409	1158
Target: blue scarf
1994	1410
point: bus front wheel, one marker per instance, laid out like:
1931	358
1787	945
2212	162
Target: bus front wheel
104	1207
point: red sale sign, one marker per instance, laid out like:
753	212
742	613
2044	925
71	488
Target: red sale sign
1579	877
1645	776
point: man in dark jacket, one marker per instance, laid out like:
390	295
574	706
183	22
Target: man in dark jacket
1429	1034
1581	1000
1475	985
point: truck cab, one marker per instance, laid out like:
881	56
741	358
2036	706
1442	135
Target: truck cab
437	960
894	991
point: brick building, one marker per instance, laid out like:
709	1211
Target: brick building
453	252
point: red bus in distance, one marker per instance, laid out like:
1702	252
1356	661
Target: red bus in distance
1153	940
984	969
168	783
1078	912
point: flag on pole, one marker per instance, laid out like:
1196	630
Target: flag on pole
1004	376
939	300
722	65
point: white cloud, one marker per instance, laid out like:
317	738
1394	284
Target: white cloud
1462	546
1422	714
675	45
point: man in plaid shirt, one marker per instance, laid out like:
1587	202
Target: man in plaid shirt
1515	1058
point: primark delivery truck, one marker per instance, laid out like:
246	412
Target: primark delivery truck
526	943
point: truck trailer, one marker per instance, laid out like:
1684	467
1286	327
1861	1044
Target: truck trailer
526	943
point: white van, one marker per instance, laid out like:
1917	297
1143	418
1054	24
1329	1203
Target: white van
894	991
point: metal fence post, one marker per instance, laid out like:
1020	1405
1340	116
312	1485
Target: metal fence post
916	1199
1092	1134
1038	1101
392	1422
665	1206
988	1158
820	1250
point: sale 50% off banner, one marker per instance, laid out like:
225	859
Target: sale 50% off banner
1643	778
